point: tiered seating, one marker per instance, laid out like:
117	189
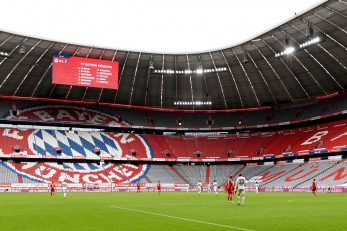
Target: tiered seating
29	171
221	173
278	142
176	144
254	144
169	119
6	175
218	144
225	119
250	171
304	173
81	144
72	172
337	105
283	115
333	176
194	120
270	175
11	137
193	174
105	173
249	119
164	119
164	174
134	117
326	173
300	136
337	137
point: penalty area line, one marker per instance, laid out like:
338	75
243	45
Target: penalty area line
181	218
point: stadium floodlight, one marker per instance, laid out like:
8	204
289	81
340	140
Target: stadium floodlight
313	41
310	42
197	71
194	103
5	54
287	51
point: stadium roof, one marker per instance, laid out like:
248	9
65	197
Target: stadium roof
317	70
174	27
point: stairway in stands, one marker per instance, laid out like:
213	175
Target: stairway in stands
178	174
20	178
208	171
238	172
316	174
148	180
282	175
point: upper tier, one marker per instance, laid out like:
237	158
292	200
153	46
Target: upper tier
167	119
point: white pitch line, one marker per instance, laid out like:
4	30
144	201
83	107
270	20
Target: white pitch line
182	218
174	204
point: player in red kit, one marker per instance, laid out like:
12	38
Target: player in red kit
230	189
314	187
158	187
138	188
52	187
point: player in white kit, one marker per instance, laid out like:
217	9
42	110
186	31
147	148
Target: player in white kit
64	188
240	189
199	184
215	187
187	188
209	187
256	187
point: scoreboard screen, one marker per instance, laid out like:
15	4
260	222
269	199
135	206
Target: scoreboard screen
85	72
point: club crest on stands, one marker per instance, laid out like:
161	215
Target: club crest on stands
68	144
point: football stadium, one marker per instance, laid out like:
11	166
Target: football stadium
249	135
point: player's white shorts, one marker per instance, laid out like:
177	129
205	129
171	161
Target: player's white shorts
241	191
199	188
215	189
64	190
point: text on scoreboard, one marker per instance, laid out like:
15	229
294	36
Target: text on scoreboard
85	72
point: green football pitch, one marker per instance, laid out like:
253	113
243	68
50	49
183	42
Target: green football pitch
172	211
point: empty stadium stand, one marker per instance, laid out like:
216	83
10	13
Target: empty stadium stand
326	173
81	144
59	146
166	119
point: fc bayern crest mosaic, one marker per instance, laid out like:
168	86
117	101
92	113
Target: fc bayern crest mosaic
43	143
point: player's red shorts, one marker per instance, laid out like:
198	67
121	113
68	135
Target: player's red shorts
230	190
314	189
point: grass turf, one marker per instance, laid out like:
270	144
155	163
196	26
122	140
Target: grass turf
172	211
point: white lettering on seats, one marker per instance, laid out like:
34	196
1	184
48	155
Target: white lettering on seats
64	114
315	138
43	115
13	134
124	137
90	178
339	136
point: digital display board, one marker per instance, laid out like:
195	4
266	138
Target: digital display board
85	72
